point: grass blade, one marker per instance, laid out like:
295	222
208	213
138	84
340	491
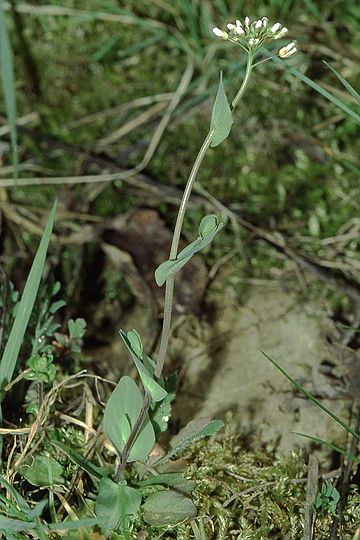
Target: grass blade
8	86
317	87
329	445
326	94
344	82
312	398
12	348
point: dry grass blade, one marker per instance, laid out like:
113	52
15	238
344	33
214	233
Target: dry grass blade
70	12
134	123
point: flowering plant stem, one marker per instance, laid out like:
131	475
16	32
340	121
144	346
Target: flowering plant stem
169	285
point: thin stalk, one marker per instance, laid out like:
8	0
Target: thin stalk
40	393
242	88
169	288
169	285
135	432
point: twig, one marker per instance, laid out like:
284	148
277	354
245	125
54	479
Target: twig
311	491
344	481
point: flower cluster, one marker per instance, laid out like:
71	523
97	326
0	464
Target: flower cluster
251	35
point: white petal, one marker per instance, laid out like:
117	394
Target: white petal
258	24
275	27
220	33
281	34
231	26
247	22
287	51
265	21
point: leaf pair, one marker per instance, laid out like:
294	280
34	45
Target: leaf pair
125	403
208	228
121	413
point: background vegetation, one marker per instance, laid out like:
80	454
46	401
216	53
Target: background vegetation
116	96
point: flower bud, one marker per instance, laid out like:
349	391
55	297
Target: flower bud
275	28
220	33
281	34
288	50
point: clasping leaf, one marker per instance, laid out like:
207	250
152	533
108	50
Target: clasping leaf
209	226
144	364
114	503
121	412
221	117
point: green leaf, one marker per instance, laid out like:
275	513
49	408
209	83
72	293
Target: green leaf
312	398
114	503
90	468
173	480
16	525
195	430
221	117
208	228
69	525
133	343
77	328
345	83
160	413
121	413
12	348
21	502
167	507
8	86
38	509
37	472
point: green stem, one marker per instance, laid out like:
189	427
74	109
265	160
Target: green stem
169	285
249	66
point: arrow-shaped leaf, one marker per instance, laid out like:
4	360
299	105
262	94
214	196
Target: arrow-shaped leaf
133	343
208	228
221	117
121	413
114	503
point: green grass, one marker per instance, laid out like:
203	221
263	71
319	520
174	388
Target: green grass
8	85
291	165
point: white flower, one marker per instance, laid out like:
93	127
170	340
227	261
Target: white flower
275	27
239	28
220	33
281	34
288	50
251	35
